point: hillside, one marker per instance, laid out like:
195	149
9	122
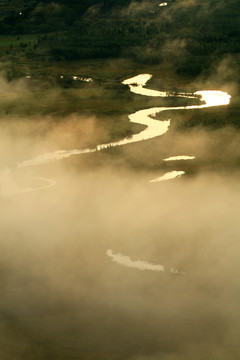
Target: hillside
193	37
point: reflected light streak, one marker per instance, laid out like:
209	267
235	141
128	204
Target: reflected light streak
168	176
179	157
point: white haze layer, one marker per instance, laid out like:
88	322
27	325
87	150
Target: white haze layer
9	187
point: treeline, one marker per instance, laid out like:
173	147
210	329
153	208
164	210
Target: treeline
101	38
190	37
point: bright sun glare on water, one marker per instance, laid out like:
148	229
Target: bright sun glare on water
214	98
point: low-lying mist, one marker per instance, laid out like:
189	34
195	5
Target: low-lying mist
64	297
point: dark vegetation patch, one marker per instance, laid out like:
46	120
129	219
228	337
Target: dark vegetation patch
192	37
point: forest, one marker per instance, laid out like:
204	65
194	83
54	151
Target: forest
202	33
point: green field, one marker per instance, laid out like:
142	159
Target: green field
8	41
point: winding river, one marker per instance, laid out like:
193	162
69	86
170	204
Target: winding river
145	117
153	129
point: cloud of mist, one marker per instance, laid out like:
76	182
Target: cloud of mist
57	280
135	7
12	90
60	294
223	75
173	49
43	9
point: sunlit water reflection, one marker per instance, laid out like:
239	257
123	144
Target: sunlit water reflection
145	117
168	176
163	4
179	157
